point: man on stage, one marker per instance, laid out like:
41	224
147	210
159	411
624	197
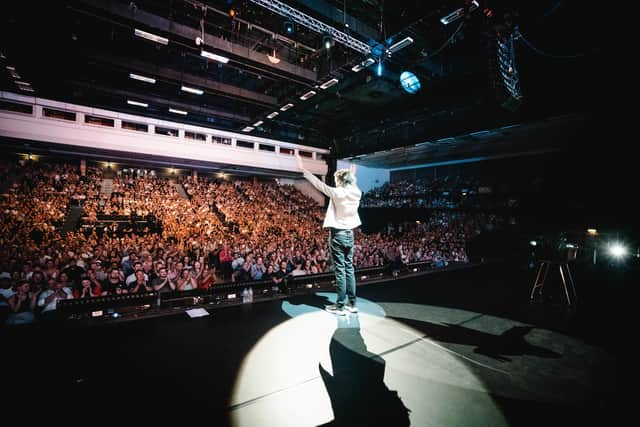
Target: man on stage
341	218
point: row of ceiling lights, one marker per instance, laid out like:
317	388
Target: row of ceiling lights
151	80
165	41
333	81
17	79
288	106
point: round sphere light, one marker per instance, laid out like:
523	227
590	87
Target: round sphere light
409	82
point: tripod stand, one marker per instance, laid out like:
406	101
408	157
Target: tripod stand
562	263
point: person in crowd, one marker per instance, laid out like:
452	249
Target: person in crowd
341	218
140	285
87	289
48	299
258	269
22	305
298	271
186	281
162	283
137	266
113	284
207	278
6	292
225	262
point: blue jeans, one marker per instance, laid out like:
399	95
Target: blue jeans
341	245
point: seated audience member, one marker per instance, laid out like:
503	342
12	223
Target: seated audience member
6	291
162	283
49	298
113	284
186	281
258	270
298	271
137	266
207	278
22	305
140	285
87	289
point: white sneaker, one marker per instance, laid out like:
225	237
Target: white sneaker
351	308
335	309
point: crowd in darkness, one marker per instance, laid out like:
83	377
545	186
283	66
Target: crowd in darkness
221	231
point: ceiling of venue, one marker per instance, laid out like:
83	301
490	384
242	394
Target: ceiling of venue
500	63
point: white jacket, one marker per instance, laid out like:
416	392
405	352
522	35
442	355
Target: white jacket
342	211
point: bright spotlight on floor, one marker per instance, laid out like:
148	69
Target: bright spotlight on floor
617	250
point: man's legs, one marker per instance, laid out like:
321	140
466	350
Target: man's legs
338	257
350	275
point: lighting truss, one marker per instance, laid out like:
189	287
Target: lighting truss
313	24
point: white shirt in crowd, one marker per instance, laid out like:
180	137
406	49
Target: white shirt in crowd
52	305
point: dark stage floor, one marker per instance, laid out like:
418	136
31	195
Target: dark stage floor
459	348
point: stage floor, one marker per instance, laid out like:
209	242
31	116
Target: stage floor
459	348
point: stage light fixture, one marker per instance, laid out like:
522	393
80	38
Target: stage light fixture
364	64
329	83
286	107
142	78
458	13
617	250
308	95
191	90
258	123
409	82
136	103
214	56
151	36
273	59
248	129
288	27
181	112
272	115
399	45
327	41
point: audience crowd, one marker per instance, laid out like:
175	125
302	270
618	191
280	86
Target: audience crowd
208	231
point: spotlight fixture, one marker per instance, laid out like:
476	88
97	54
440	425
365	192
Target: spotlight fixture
258	123
286	107
410	82
272	115
248	129
288	27
327	41
273	59
617	250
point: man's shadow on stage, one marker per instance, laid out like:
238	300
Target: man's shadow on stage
357	390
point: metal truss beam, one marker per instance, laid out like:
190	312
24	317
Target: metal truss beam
314	24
